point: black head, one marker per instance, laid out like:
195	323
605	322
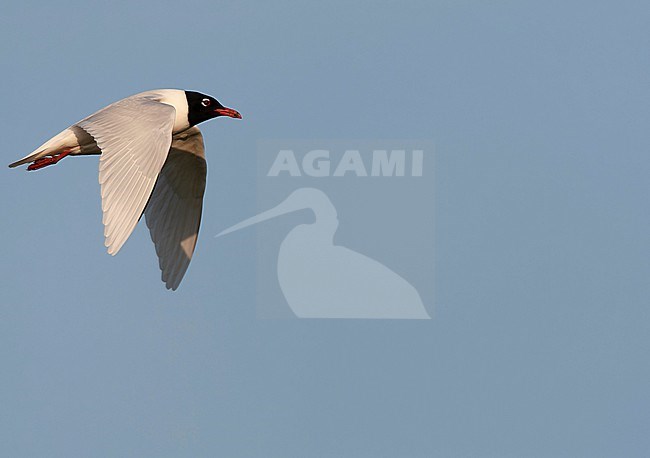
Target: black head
202	107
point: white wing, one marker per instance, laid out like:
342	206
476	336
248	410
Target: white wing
173	213
134	136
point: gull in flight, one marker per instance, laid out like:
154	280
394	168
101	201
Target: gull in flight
152	162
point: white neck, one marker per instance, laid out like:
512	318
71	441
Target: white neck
177	99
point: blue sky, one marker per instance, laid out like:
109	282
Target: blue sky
540	341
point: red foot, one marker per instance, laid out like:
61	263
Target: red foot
47	160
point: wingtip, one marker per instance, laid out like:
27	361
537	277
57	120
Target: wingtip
111	249
170	284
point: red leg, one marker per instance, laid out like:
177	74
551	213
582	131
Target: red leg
47	160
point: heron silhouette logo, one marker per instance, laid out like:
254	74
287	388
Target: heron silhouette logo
357	285
344	229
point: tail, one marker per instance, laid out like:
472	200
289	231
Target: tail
29	158
64	140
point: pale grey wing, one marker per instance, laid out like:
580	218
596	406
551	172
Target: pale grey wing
173	213
134	136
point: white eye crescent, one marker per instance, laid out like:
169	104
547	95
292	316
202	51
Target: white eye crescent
205	102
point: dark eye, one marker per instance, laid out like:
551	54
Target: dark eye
205	102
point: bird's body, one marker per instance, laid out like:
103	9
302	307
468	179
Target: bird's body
152	162
77	141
